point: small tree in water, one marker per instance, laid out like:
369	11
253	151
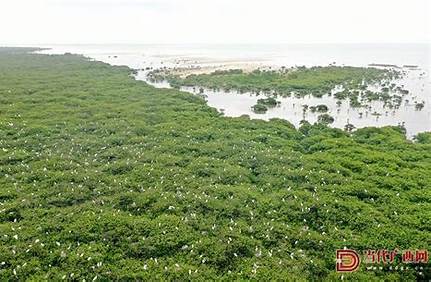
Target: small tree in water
325	119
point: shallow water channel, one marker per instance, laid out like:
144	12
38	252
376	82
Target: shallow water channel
235	104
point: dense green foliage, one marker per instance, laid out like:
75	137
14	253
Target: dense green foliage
424	138
300	81
102	176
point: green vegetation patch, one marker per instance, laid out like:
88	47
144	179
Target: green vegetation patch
301	81
358	84
262	105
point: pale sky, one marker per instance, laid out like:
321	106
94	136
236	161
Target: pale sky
214	21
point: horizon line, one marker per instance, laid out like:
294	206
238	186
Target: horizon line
218	43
